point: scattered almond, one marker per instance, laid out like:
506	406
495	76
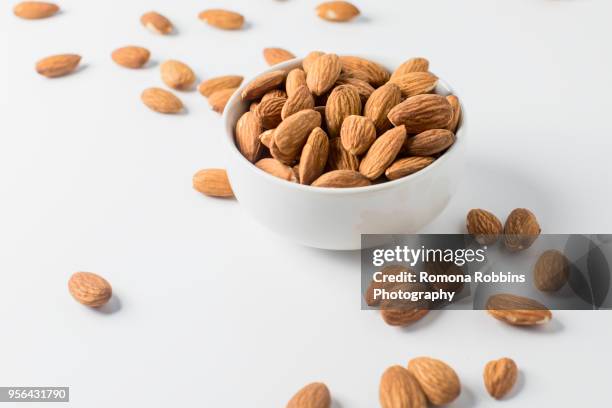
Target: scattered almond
407	166
323	73
438	380
262	84
177	75
521	230
248	129
484	226
551	271
224	19
429	142
218	100
161	100
212	85
402	317
517	310
212	182
275	56
341	179
314	156
156	23
34	10
382	153
500	376
337	11
314	395
131	56
357	134
277	169
399	389
90	289
58	65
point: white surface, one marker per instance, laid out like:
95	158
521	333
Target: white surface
216	311
336	218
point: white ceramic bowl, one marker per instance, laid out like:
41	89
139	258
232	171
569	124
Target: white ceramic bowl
331	218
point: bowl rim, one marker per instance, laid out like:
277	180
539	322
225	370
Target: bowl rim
236	100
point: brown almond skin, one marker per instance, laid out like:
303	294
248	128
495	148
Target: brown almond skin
342	179
357	134
422	112
551	271
438	380
387	270
337	11
212	85
407	166
269	111
266	138
314	156
382	153
412	65
301	99
380	104
161	101
484	226
291	135
274	93
58	65
248	129
275	56
323	73
177	75
339	158
35	10
365	89
399	389
156	23
218	100
429	142
403	317
309	59
223	19
212	182
521	230
314	395
343	102
415	83
517	310
500	376
295	79
90	289
277	169
262	84
456	105
131	56
364	69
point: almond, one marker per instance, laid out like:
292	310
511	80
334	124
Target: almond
295	79
131	56
314	395
161	100
500	376
412	65
422	112
212	182
290	136
224	19
517	310
275	56
456	105
300	100
365	69
177	75
521	230
277	169
274	93
33	10
314	156
382	153
402	317
388	270
262	84
269	111
218	100
357	134
89	289
323	73
343	102
156	23
399	389
337	11
266	138
248	130
58	65
438	380
341	179
380	104
310	58
212	85
429	142
289	160
365	89
415	83
339	158
551	271
406	166
484	226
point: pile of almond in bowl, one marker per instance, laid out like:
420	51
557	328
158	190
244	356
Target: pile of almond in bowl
345	121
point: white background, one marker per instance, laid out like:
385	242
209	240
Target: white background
213	310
